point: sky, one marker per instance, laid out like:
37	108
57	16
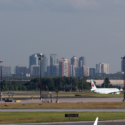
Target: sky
94	29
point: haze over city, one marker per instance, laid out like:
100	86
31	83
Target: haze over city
91	28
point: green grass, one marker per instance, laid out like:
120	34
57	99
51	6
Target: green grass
90	105
101	95
61	94
39	117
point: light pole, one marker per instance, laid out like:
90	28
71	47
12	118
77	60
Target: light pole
1	82
123	58
40	58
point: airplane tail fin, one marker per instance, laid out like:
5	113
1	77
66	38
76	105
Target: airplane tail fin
96	121
93	85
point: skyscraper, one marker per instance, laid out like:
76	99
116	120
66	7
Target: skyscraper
74	61
102	68
55	70
54	67
82	61
64	68
35	70
44	64
92	71
6	70
34	60
53	59
122	65
83	71
21	70
72	71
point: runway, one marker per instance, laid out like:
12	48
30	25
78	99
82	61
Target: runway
70	100
62	110
76	123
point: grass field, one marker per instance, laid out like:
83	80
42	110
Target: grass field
61	94
38	117
91	105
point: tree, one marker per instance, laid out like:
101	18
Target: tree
106	83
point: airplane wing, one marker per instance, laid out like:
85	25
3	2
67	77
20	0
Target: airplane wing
96	121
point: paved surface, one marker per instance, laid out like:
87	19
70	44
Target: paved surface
62	110
76	123
72	100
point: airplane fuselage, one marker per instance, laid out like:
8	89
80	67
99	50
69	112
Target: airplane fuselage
106	90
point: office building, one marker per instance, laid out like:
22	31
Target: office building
82	61
44	64
92	71
6	70
21	70
72	71
55	70
123	65
53	59
74	61
48	71
54	67
83	71
34	60
64	68
35	70
102	68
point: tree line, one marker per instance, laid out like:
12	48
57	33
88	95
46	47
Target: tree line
48	84
53	84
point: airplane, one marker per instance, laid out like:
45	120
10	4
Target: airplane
96	121
104	90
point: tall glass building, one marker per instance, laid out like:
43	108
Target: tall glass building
74	61
44	64
82	61
21	70
34	60
53	59
6	70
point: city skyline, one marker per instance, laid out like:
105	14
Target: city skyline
49	62
76	67
93	28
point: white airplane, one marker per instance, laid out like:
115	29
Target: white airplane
96	121
103	90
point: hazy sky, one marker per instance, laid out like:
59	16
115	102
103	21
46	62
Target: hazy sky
94	29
